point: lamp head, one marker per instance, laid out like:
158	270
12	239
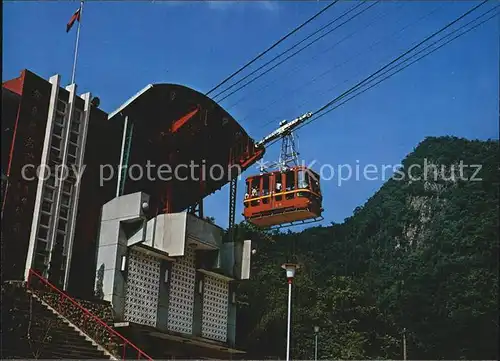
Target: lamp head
290	269
316	329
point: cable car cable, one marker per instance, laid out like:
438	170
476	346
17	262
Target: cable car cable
361	83
421	57
271	47
315	79
295	53
330	69
289	49
401	56
399	70
292	70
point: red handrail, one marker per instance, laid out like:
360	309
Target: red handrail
100	322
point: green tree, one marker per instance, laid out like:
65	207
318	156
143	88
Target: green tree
421	254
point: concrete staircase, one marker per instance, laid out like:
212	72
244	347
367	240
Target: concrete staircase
31	329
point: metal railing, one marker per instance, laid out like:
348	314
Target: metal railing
95	328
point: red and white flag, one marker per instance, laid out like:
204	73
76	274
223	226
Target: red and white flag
74	17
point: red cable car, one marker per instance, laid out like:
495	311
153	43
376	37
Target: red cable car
289	195
283	198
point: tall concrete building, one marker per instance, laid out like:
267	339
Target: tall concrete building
46	129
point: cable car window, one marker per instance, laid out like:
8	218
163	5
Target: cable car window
249	189
309	180
265	184
290	184
265	187
290	180
277	183
302	180
314	182
255	187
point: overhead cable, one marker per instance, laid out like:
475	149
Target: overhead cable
294	69
357	86
289	49
401	69
297	52
398	32
401	56
271	47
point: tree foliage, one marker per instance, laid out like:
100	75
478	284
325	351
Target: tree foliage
420	255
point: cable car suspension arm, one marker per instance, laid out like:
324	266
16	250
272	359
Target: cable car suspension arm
284	129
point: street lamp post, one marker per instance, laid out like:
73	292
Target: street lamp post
290	269
404	344
316	330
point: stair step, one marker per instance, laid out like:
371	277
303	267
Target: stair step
74	353
65	342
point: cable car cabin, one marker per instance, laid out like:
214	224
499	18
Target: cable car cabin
277	198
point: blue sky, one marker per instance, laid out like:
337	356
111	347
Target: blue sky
125	46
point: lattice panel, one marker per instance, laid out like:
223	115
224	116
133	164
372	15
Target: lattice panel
181	300
143	282
215	309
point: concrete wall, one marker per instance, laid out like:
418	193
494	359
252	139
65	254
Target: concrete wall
110	279
150	270
204	232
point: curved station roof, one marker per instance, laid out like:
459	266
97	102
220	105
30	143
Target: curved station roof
189	138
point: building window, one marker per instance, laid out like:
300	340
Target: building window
39	260
77	119
62	225
72	149
47	206
55	153
48	194
41	246
51	181
45	219
78	116
73	138
63	213
65	200
60	237
71	178
71	159
43	232
54	160
57	130
59	120
75	127
56	142
67	187
61	106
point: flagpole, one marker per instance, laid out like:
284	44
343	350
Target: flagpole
76	45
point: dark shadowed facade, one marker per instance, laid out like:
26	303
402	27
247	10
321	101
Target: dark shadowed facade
48	222
168	274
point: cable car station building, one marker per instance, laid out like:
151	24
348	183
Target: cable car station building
169	273
140	244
